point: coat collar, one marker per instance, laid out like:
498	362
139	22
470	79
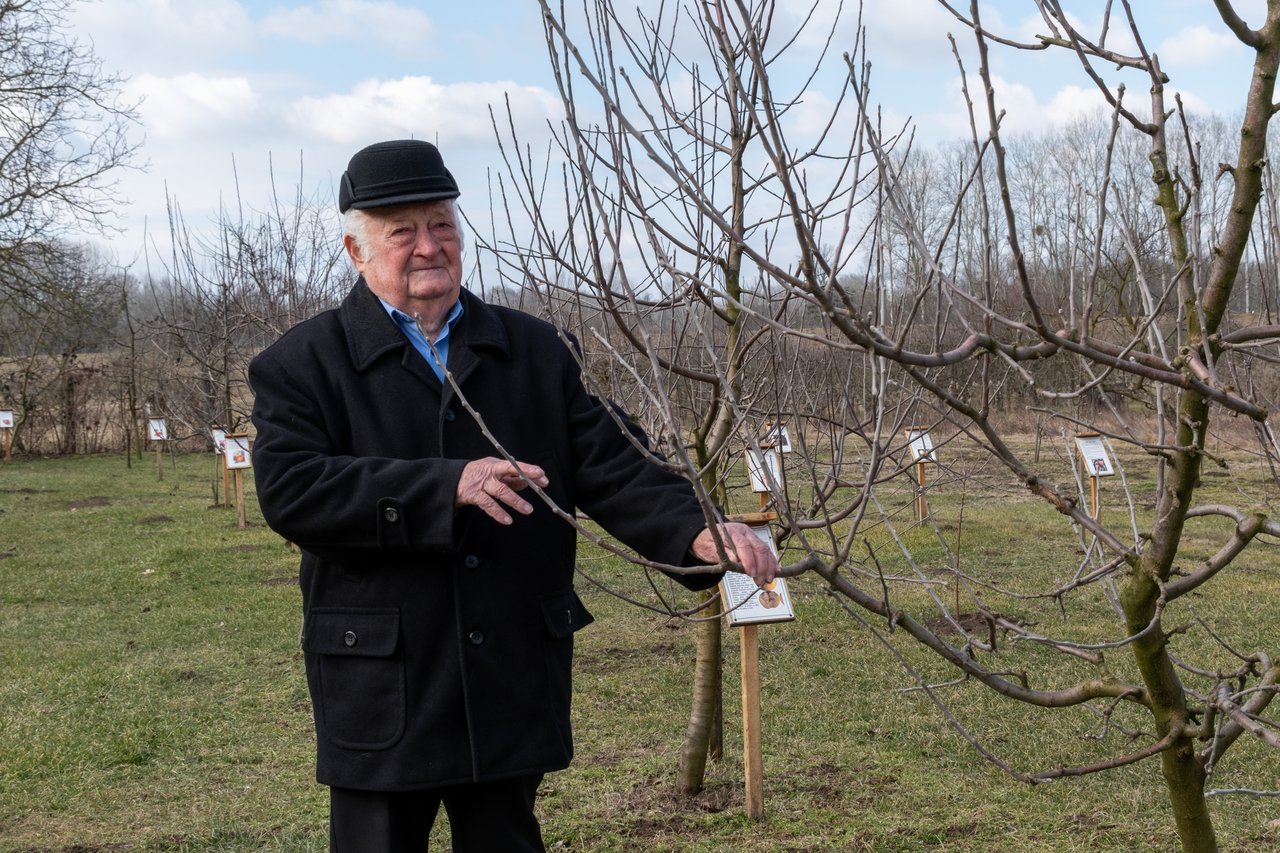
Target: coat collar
371	333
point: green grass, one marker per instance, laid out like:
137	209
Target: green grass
152	695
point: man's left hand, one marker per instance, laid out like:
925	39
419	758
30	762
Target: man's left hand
742	546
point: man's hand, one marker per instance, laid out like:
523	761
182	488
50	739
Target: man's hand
742	546
491	484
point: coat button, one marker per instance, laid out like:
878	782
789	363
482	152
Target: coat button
350	638
449	415
476	637
471	561
391	514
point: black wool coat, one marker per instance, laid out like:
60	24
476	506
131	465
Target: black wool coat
438	643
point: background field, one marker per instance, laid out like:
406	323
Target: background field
152	698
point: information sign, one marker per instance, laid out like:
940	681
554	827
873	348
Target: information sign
1097	462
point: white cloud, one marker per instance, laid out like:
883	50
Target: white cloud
193	105
402	30
456	114
1197	46
1024	111
163	34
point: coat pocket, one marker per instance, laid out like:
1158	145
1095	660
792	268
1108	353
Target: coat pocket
565	613
357	673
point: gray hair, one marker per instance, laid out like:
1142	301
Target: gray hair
355	222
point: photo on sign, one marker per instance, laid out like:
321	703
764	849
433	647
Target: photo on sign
921	446
6	419
757	465
1093	452
237	450
748	604
157	430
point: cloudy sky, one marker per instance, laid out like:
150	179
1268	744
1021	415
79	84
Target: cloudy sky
232	88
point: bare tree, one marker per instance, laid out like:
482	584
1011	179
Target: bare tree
64	134
750	266
222	296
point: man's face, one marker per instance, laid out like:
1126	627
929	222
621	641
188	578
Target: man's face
412	256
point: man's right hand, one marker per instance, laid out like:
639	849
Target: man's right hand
491	484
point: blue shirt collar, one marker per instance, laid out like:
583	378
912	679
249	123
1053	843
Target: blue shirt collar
410	328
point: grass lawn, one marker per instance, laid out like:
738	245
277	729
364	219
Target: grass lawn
152	695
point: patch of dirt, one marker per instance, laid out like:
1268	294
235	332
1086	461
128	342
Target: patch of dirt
85	503
247	548
280	581
718	798
659	827
23	491
155	519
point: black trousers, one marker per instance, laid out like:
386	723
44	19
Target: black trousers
489	817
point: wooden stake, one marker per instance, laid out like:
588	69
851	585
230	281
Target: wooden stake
239	478
922	508
159	460
226	480
1094	496
752	762
8	445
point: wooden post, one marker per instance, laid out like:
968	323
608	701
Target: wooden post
226	480
160	460
239	478
753	764
8	445
922	507
1094	496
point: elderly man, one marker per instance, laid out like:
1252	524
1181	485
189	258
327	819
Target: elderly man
398	438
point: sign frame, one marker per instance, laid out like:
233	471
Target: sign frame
920	444
748	604
769	460
1094	455
238	454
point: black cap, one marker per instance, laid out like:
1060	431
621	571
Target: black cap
402	171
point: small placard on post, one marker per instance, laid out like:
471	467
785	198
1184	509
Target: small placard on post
1097	463
219	436
764	468
238	459
921	445
748	606
158	432
6	429
745	603
1093	451
237	451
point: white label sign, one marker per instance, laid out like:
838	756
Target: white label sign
1097	462
219	439
237	450
748	604
6	419
758	464
157	430
921	446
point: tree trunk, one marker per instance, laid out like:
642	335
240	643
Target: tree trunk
706	699
1184	776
